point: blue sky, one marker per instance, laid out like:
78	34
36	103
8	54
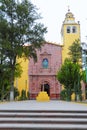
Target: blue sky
53	13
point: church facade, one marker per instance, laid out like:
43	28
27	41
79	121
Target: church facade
42	74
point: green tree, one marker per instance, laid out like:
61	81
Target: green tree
5	79
16	92
84	76
19	24
68	76
75	51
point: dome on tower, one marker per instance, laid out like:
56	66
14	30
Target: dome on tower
69	17
69	14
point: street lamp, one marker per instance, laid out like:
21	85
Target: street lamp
84	57
86	65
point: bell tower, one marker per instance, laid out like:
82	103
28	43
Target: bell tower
70	32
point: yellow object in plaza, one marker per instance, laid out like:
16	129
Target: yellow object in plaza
73	97
42	96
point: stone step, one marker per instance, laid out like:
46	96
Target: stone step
42	120
43	115
17	126
43	111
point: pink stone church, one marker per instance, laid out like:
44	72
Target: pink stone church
42	74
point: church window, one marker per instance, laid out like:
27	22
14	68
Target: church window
68	29
45	63
74	29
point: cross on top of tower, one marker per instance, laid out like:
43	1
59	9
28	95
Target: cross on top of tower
68	8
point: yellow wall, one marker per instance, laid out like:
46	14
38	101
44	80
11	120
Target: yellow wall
22	83
69	38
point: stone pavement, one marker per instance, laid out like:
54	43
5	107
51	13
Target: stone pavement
50	105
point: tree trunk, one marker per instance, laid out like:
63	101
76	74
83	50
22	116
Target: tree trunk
12	85
68	98
12	92
2	93
11	95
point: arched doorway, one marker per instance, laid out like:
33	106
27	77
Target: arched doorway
45	87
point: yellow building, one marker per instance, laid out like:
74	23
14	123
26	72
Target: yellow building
22	83
70	32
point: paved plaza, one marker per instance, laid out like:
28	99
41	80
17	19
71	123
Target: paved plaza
35	105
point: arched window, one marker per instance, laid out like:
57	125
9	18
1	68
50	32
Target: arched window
68	29
74	29
45	63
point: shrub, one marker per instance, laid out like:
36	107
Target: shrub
63	94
